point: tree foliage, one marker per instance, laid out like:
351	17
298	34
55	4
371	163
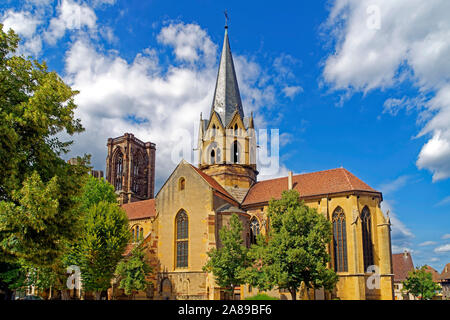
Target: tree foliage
104	238
295	250
39	191
229	260
132	272
420	284
35	106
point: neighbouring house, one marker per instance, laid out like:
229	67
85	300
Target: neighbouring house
444	280
402	263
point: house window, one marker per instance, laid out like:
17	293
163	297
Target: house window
182	231
339	240
366	225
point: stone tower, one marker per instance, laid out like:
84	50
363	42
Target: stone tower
227	142
130	168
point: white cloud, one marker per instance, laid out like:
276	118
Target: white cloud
157	103
411	43
22	22
427	243
190	42
446	236
25	24
71	16
443	248
443	202
292	91
401	235
394	185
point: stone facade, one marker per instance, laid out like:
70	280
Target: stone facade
130	168
196	202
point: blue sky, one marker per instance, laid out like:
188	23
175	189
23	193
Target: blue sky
359	84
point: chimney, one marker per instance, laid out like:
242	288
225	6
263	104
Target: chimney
405	254
290	180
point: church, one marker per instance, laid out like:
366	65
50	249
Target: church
181	223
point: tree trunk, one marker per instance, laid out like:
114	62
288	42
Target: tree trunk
293	293
98	295
232	292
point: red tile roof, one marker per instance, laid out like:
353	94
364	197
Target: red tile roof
402	263
445	274
214	184
308	184
140	209
433	272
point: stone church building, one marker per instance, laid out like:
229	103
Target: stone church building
182	222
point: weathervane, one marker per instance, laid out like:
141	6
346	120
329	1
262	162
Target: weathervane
226	19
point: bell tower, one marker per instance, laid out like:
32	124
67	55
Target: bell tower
227	140
130	168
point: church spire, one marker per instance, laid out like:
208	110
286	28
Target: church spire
227	98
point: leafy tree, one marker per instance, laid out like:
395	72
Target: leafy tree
39	191
420	284
132	272
35	106
96	190
295	251
228	261
104	239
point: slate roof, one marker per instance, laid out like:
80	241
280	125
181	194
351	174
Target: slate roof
226	94
402	263
308	184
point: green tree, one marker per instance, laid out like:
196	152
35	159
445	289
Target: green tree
229	260
420	284
39	191
96	190
132	272
295	251
99	250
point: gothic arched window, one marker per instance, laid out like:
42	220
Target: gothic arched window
339	240
366	225
182	232
137	233
254	230
235	149
118	169
236	129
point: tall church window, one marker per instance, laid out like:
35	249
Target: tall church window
254	230
366	225
213	131
235	152
182	228
118	168
236	129
213	156
339	240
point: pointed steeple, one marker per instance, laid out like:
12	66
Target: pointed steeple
227	98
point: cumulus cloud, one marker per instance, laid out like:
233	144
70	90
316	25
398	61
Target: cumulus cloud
379	44
157	104
24	23
189	42
71	16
